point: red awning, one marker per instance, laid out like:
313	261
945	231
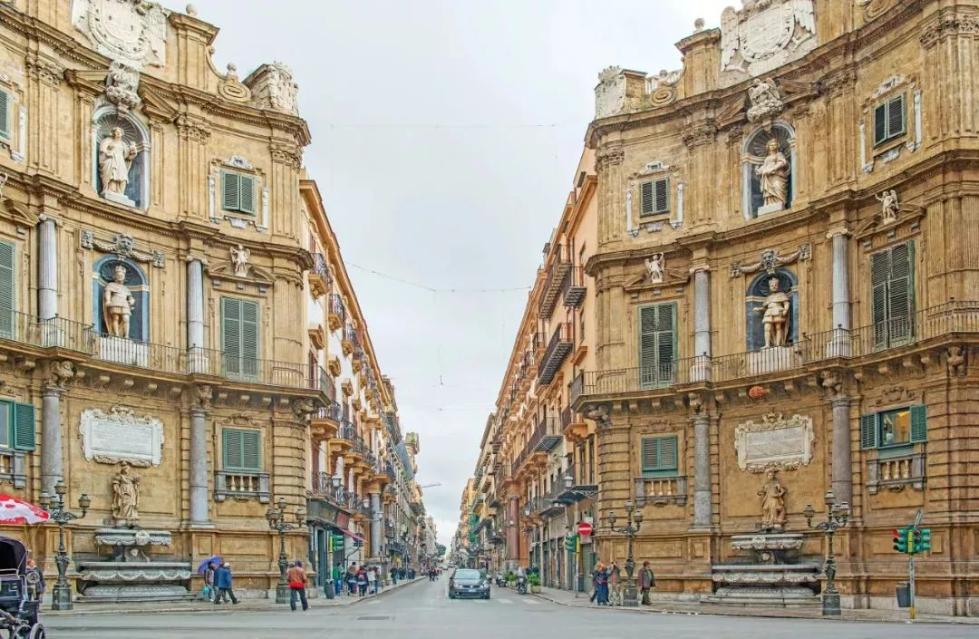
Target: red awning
351	534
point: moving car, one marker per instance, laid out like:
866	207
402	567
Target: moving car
468	582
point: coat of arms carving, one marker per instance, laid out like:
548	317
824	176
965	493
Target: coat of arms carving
763	35
130	31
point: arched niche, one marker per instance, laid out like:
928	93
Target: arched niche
135	281
755	303
754	153
129	160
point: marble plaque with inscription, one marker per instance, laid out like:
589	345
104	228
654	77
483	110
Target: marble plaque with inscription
775	442
121	436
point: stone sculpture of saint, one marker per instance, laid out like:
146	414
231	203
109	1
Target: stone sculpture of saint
772	495
117	304
889	206
775	315
654	266
125	496
239	259
115	157
773	174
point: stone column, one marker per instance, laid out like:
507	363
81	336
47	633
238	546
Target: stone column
47	267
839	346
702	494
195	314
377	515
199	470
842	465
701	324
51	460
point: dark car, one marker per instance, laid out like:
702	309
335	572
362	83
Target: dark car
468	582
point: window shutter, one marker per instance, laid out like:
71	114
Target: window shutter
7	280
647	345
4	114
650	453
880	123
249	338
231	334
24	426
919	423
880	269
648	198
667	453
231	188
251	458
868	431
899	293
231	446
246	184
895	117
665	340
662	195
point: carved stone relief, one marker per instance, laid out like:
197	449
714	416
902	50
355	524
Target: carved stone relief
122	245
785	443
770	260
763	35
121	436
273	87
132	31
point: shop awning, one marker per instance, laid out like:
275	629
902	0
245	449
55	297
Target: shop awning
351	534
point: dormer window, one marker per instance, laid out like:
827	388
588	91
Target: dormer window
655	196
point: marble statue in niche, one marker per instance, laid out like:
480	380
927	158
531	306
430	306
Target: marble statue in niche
772	495
656	266
125	497
116	156
889	206
239	260
773	175
117	304
775	314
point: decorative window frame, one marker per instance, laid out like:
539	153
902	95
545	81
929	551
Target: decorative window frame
14	141
653	222
238	164
106	108
909	141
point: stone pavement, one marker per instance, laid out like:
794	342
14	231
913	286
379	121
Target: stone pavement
207	607
567	598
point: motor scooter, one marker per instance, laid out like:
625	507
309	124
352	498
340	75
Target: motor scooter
521	585
500	581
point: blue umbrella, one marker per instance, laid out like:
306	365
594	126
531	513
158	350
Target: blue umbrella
202	568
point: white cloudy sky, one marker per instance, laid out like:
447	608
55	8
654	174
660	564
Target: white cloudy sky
445	134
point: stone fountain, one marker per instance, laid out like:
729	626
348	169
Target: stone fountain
127	572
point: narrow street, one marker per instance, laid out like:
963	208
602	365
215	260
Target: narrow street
423	611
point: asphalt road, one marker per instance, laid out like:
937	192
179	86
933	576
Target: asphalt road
423	611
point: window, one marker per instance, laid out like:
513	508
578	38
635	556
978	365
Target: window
242	450
889	120
655	196
237	192
898	427
659	455
657	344
7	295
16	425
239	337
892	283
5	103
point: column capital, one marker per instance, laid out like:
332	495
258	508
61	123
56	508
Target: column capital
839	229
699	268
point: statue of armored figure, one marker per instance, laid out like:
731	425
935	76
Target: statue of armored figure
775	314
117	304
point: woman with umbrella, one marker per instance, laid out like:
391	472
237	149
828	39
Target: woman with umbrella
207	568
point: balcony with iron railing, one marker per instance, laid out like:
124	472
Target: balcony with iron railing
558	347
350	340
573	287
319	276
551	289
336	315
952	320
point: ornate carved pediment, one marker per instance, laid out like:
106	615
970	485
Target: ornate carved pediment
895	395
231	88
771	259
776	441
122	245
255	275
21	216
764	35
659	274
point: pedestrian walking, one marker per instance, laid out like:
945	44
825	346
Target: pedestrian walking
208	590
600	582
614	584
222	584
362	581
35	581
372	579
352	579
338	577
296	576
647	581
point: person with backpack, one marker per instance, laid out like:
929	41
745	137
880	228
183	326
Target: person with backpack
296	577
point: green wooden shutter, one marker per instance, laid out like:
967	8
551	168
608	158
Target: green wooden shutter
231	334
659	454
662	195
4	114
667	453
7	294
246	193
251	458
919	423
647	197
249	338
868	431
880	271
895	117
231	448
231	190
900	295
880	123
24	427
647	346
650	453
666	340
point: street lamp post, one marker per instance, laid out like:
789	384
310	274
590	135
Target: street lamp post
633	521
837	516
276	516
55	505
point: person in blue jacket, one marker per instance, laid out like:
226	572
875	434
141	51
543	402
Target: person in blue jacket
222	584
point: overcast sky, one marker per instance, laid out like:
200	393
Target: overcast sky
445	135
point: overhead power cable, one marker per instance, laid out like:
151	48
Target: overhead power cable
435	289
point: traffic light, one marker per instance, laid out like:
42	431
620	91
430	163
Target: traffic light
900	536
922	540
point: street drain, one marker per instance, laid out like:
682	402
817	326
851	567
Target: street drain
374	618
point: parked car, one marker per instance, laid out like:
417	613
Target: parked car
468	582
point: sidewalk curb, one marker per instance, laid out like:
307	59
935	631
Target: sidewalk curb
766	615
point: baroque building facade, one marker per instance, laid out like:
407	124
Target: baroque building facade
784	297
167	293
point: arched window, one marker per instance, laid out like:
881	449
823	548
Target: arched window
768	170
766	298
121	299
120	146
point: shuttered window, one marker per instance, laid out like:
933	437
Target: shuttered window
17	427
239	337
5	114
237	192
657	344
655	196
889	120
241	449
894	427
7	292
659	455
892	283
